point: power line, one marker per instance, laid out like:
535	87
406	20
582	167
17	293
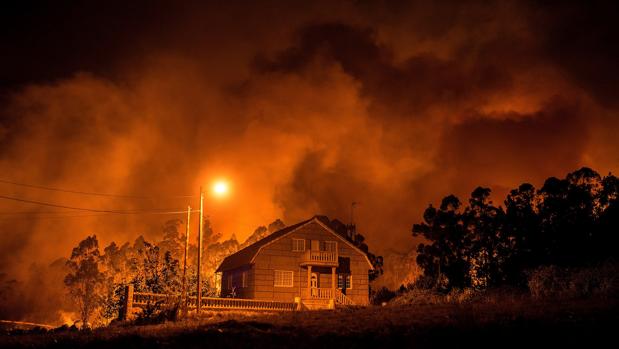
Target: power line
94	193
95	215
80	208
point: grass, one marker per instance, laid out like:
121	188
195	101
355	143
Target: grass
513	323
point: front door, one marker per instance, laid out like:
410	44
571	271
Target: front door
314	284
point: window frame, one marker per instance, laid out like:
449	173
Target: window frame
294	245
290	272
244	279
341	280
331	242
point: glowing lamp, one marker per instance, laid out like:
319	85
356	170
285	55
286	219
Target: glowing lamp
220	188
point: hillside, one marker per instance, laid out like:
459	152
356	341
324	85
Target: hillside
508	323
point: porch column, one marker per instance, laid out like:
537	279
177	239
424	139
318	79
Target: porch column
333	282
309	279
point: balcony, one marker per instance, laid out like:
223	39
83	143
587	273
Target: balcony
319	258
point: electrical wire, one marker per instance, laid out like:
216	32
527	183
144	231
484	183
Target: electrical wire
94	193
96	215
41	203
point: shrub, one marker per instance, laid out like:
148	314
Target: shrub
546	281
382	295
552	281
157	313
423	282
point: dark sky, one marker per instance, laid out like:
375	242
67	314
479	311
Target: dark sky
303	106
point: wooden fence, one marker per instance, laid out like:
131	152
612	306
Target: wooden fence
144	299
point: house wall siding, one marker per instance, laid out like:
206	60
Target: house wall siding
237	282
278	255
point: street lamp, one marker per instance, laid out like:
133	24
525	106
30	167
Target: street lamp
220	189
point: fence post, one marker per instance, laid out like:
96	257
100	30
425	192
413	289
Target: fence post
128	306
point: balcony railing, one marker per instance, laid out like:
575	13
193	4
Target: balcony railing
324	258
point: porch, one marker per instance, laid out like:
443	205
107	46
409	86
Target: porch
321	293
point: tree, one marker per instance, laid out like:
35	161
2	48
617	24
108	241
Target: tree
607	229
487	246
276	225
445	258
85	280
569	222
522	230
568	213
172	241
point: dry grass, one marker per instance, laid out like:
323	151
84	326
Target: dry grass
513	322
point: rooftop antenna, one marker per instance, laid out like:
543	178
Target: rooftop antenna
352	231
352	212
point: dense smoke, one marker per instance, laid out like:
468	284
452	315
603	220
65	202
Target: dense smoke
304	108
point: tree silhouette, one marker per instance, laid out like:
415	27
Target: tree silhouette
488	246
522	231
568	222
85	280
446	256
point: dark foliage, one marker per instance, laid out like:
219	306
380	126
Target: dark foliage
349	232
381	295
569	222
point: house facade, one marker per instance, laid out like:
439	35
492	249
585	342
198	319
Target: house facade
306	262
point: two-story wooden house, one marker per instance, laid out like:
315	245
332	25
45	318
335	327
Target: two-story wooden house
307	261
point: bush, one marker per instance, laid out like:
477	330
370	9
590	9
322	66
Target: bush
382	295
157	313
423	282
426	296
552	282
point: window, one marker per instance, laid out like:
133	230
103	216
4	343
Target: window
229	281
244	279
330	246
298	245
341	278
283	278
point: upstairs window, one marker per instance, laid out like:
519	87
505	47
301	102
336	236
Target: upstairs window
283	278
298	245
331	246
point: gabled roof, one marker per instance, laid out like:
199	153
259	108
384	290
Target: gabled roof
246	255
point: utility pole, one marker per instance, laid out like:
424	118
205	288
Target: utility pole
184	295
199	297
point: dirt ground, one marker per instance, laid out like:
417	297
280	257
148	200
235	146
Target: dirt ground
498	325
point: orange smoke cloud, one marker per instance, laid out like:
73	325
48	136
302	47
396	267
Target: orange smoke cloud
302	110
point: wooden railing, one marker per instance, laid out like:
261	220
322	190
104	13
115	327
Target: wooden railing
326	294
243	304
341	298
320	258
320	293
143	299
